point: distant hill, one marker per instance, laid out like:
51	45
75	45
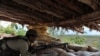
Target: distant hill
83	39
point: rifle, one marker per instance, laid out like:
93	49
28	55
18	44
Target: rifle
38	48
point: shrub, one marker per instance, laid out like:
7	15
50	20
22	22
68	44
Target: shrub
78	40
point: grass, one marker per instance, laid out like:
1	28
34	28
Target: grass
81	39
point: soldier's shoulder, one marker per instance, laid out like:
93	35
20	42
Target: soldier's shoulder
21	37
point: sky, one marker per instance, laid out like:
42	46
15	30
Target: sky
69	32
4	23
87	32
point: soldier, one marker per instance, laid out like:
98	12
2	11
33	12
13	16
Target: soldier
17	46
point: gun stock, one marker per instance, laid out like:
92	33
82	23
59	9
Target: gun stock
38	48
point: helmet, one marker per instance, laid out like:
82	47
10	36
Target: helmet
31	33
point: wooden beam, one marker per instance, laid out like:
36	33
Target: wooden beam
12	20
70	5
50	7
96	25
17	21
30	13
11	12
85	19
45	12
64	10
37	5
98	21
92	3
14	17
93	25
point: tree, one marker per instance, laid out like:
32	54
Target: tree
56	31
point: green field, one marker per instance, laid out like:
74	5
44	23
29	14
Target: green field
82	40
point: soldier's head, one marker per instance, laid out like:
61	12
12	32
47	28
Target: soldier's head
31	35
